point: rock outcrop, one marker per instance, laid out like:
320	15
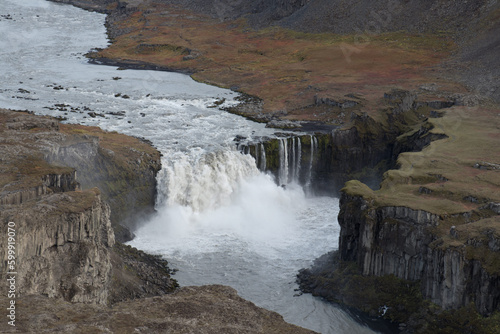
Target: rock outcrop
62	245
123	168
50	183
64	241
125	171
205	309
388	240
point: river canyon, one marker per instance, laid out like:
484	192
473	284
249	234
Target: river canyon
378	149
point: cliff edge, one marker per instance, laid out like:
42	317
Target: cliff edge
62	232
429	236
64	270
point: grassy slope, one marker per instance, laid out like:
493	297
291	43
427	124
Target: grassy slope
473	137
24	166
124	147
453	186
284	68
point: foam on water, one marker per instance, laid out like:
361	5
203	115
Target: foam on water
203	181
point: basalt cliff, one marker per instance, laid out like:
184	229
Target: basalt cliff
424	246
61	230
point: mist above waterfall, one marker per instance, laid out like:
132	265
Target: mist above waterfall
222	221
256	210
224	192
202	180
254	240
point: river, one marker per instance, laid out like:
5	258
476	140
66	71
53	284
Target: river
220	220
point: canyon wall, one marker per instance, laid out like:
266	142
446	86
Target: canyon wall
62	245
61	236
61	229
323	161
425	244
399	241
125	175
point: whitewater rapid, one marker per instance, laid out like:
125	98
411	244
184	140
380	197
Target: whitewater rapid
220	220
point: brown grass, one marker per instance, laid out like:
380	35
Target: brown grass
472	138
123	146
284	68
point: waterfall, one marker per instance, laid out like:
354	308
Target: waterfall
299	159
283	151
292	162
202	181
257	155
263	162
314	144
295	159
289	169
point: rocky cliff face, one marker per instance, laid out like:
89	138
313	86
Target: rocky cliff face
64	241
63	236
125	174
63	246
425	227
398	241
123	168
49	183
325	161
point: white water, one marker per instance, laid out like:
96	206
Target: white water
263	162
220	220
